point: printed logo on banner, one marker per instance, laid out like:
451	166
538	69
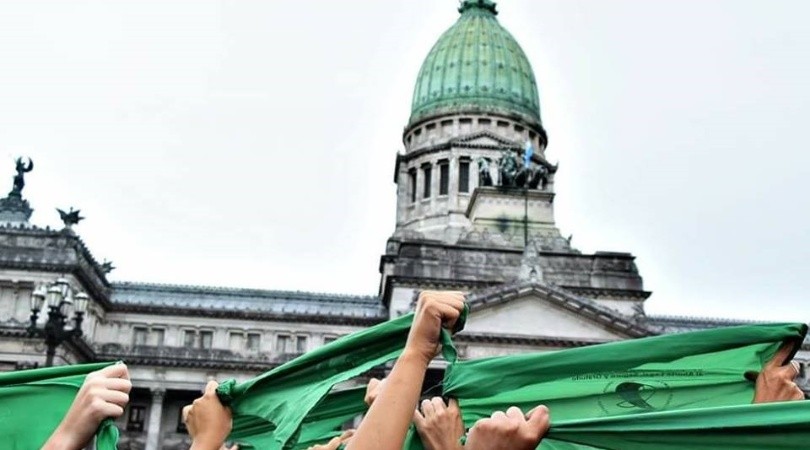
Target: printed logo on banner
627	396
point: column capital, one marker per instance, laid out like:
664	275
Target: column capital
158	394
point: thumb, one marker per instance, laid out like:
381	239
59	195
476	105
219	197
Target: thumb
211	388
540	420
781	356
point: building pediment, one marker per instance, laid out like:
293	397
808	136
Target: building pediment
534	310
484	139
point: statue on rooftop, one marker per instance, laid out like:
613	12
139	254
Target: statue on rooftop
508	170
19	179
513	174
70	218
484	176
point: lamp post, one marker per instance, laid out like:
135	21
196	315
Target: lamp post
61	300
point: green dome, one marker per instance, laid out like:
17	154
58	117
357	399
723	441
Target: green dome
476	66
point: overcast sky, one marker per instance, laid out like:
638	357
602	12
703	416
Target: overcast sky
252	143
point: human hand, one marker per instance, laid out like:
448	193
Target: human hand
510	431
103	394
335	442
776	381
373	390
434	310
439	425
207	420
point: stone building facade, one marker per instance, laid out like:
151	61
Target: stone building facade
466	220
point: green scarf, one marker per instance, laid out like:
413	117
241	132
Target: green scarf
34	402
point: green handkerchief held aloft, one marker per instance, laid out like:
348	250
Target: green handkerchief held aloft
34	402
268	410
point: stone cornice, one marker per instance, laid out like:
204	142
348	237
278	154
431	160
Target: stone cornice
513	339
247	315
608	294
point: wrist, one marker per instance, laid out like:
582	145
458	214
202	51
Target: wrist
205	443
61	440
411	356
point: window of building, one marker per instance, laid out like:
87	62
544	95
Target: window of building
412	183
137	416
283	344
426	175
301	344
189	336
235	339
329	339
464	175
158	335
253	341
139	335
444	177
206	339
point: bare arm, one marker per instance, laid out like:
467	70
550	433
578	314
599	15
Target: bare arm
387	421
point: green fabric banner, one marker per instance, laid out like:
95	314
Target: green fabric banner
269	409
694	372
663	373
673	392
772	426
34	402
325	421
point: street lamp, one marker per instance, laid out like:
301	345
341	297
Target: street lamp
61	301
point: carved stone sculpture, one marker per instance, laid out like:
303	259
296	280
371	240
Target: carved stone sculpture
19	178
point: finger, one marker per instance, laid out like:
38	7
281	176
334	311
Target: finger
116	397
118	384
211	389
372	391
111	410
449	315
438	405
539	419
114	371
499	415
186	411
427	409
515	413
333	444
452	405
234	447
781	356
796	367
418	418
348	434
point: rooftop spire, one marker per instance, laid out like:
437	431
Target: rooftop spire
488	5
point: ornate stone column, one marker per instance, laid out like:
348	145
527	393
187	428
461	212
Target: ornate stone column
155	415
